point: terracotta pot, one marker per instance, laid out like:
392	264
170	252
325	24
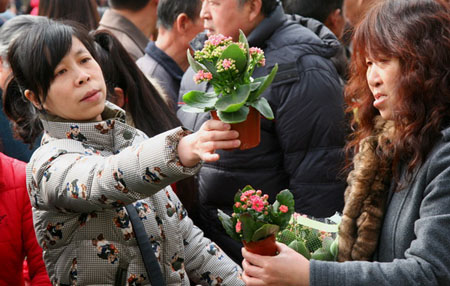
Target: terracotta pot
249	130
266	247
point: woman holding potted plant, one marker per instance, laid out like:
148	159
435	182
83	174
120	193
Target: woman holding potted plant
397	208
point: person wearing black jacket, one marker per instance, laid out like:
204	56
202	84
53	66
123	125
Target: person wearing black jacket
301	149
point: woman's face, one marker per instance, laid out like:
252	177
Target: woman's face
78	91
382	78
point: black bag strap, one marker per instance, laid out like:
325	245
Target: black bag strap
148	255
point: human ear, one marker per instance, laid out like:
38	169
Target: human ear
119	97
255	8
31	96
182	23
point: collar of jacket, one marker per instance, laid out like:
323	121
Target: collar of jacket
164	60
366	195
112	133
330	43
115	21
267	27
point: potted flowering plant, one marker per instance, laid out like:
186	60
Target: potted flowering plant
228	66
255	221
311	238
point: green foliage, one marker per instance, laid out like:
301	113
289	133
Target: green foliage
253	218
228	67
309	242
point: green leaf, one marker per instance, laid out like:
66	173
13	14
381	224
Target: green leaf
234	101
248	226
286	198
234	117
246	188
327	242
264	231
286	236
243	39
228	224
200	99
193	63
300	247
211	67
322	254
265	82
234	52
187	108
254	86
334	248
263	107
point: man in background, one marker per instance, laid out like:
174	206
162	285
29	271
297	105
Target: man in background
165	59
301	149
132	22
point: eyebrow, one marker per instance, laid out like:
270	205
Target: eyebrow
81	51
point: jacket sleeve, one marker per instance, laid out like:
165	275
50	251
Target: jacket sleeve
425	262
205	261
62	176
309	123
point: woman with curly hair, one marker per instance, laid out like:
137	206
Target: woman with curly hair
394	229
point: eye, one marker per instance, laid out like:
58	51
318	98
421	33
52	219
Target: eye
60	72
368	63
85	60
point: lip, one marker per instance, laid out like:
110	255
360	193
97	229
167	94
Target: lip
380	98
91	95
378	95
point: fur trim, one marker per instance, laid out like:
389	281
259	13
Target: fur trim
366	194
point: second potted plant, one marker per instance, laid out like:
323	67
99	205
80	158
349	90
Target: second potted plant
255	221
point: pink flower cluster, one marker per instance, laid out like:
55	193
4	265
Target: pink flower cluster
201	75
252	199
216	40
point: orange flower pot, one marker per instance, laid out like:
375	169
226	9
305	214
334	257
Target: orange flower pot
266	247
249	130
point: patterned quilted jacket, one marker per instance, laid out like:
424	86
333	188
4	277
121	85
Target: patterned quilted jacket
79	181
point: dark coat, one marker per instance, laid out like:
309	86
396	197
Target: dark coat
300	149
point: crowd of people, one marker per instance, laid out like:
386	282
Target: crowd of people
104	179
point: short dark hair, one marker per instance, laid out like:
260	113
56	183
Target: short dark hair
267	6
168	11
316	9
33	57
133	5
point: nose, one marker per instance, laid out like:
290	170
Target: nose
204	12
83	77
373	76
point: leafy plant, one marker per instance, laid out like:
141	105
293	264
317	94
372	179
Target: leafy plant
310	242
228	67
253	218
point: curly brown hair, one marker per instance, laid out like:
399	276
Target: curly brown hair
417	32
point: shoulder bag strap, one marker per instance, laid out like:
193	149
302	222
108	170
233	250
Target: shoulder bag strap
151	263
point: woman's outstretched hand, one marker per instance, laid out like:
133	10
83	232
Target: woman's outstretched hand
201	145
286	268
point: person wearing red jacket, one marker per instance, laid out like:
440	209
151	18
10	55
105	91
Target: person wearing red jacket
17	236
